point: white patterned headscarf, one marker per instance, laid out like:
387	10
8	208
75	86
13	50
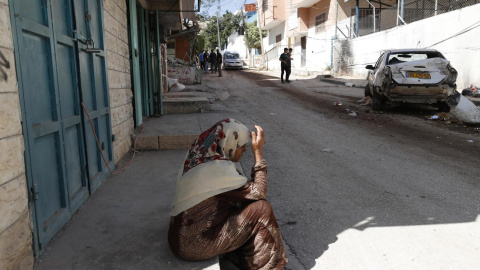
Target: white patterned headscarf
208	169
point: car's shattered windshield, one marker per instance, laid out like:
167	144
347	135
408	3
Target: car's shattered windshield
402	57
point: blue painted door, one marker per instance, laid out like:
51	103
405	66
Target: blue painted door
93	87
62	166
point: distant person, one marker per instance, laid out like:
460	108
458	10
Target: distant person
201	60
284	65
219	63
205	61
213	61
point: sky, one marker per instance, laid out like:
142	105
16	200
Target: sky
230	5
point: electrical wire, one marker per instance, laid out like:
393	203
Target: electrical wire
471	27
100	148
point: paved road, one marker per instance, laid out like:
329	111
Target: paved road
378	191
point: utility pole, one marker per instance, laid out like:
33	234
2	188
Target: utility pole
245	31
218	25
260	33
218	31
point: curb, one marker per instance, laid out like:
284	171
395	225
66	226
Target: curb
349	84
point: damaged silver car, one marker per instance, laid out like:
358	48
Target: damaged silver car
411	76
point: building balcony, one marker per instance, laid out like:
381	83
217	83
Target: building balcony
304	3
298	22
271	13
172	12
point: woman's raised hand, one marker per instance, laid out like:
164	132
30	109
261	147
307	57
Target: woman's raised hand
258	140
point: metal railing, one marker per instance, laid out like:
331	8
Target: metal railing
386	18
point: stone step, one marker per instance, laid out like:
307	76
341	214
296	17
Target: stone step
184	104
165	142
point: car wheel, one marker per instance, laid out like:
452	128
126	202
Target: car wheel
443	107
367	91
378	101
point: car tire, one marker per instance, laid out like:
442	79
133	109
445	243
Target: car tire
367	91
378	101
443	107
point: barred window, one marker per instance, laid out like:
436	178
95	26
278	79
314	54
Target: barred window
320	22
265	5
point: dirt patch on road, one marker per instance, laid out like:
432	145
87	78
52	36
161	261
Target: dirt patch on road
402	124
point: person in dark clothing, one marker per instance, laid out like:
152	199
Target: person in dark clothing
201	58
213	61
284	58
206	58
219	63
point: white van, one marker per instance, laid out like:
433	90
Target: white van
231	59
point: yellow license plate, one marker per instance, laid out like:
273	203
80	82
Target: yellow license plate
418	75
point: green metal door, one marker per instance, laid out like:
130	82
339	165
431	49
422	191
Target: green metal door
89	37
54	76
54	146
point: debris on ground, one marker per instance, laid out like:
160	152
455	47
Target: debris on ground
470	141
366	101
349	84
463	109
273	113
224	96
353	114
471	91
337	103
327	150
174	85
439	116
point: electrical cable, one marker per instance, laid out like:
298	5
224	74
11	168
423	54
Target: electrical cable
100	148
471	27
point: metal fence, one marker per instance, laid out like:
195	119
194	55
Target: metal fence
386	18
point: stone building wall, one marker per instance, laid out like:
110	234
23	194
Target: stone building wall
15	219
118	64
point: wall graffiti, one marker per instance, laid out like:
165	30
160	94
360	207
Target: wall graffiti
4	65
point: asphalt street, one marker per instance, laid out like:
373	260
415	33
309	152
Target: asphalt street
381	190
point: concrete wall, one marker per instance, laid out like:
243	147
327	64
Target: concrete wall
352	55
118	63
15	219
236	43
270	43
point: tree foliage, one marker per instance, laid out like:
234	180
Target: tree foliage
254	36
199	44
229	23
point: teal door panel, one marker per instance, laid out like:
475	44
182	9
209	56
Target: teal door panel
55	74
93	88
46	70
77	182
136	79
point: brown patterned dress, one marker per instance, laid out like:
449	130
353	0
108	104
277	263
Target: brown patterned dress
239	223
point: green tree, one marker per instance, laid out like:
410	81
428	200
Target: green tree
199	44
253	36
229	23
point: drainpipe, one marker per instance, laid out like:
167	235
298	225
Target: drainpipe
159	107
334	38
374	27
336	21
398	10
356	19
402	8
436	6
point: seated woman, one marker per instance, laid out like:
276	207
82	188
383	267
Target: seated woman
217	210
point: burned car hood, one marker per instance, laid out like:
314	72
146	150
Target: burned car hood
427	71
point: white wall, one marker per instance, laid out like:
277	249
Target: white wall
463	51
236	43
269	43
